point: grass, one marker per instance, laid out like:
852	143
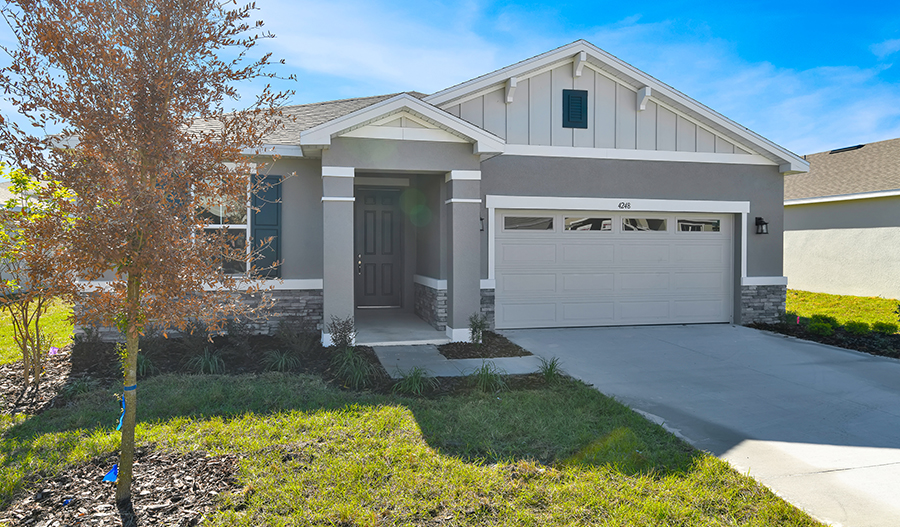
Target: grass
844	308
54	322
562	455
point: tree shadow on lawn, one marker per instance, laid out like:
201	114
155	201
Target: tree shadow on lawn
569	424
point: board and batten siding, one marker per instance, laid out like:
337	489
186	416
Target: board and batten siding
534	117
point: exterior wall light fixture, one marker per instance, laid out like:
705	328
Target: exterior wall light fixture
762	226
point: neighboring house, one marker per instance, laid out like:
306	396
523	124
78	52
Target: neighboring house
842	222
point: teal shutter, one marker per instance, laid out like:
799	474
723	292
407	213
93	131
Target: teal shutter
575	109
265	223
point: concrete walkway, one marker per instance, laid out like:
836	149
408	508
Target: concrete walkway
817	424
398	359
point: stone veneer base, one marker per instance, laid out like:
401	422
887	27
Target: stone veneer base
303	307
762	303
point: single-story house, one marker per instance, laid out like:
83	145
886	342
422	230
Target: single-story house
842	222
569	189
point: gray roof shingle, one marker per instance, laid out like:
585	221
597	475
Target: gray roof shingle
302	117
873	168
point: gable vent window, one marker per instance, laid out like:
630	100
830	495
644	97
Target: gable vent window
575	109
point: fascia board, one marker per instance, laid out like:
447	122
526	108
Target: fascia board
485	142
842	197
613	66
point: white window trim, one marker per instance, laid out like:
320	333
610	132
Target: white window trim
494	202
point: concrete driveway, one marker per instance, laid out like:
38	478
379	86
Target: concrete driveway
818	425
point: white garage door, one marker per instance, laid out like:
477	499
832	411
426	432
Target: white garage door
569	269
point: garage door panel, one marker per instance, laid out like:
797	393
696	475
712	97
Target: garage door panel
529	283
708	254
698	309
514	314
588	283
645	253
712	281
644	310
591	312
594	278
519	254
588	253
643	282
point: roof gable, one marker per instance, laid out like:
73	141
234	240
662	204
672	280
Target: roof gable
647	99
434	125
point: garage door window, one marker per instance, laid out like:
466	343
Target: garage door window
699	225
528	223
643	224
589	224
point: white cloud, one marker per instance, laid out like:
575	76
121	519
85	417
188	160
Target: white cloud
886	48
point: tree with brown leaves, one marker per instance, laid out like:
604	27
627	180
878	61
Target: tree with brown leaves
136	93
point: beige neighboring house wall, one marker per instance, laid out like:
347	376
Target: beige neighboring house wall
842	222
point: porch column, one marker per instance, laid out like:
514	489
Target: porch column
463	250
339	264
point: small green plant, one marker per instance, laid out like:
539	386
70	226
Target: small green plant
281	360
343	332
75	388
888	328
352	368
825	319
823	329
478	324
488	377
145	367
415	381
208	361
789	317
857	328
296	339
550	370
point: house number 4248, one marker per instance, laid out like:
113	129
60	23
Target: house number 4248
624	204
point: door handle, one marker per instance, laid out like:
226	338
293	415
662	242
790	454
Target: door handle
359	264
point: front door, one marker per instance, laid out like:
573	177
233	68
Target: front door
379	254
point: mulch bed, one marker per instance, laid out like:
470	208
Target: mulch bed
873	343
492	346
168	489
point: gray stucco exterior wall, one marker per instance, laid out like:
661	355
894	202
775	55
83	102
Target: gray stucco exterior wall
762	186
384	155
301	217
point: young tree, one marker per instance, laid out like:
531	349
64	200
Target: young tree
32	266
139	90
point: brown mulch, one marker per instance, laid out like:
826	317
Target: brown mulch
168	489
491	347
872	343
14	399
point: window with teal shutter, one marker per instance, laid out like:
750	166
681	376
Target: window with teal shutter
266	223
575	109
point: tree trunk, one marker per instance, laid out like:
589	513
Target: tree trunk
132	334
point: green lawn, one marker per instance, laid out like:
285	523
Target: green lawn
54	322
842	307
562	455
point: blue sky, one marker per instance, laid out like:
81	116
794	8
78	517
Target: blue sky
811	76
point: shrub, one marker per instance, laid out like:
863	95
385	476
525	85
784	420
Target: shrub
416	381
352	367
343	332
296	339
857	328
823	329
281	360
549	369
145	367
789	317
488	378
478	324
208	361
885	327
825	319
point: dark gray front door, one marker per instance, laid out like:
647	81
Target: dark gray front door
379	252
